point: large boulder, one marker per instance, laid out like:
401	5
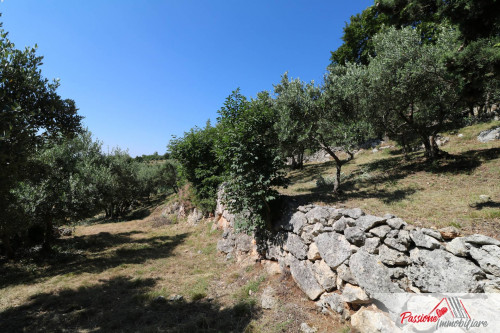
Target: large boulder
296	246
372	320
458	247
297	222
353	213
226	245
333	248
318	214
392	257
367	222
371	274
324	275
422	240
440	271
303	275
354	295
481	240
489	135
355	235
488	258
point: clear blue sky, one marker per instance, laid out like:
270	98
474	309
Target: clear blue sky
141	71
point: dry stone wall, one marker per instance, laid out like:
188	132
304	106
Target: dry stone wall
343	257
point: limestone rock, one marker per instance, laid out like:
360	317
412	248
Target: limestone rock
492	286
371	274
295	245
481	240
226	245
371	245
306	234
195	217
489	135
305	209
440	271
372	320
449	232
394	233
305	328
318	228
488	258
397	272
274	251
297	222
367	222
396	223
353	213
422	240
458	247
381	231
313	253
433	233
343	223
344	273
243	242
334	301
354	295
400	242
354	235
392	257
303	275
333	248
324	275
318	214
268	301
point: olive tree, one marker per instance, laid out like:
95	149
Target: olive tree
409	86
31	112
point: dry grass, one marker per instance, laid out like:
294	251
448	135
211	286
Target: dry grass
106	278
436	194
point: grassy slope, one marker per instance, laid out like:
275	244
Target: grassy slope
426	194
106	277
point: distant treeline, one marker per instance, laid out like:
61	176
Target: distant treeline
51	170
154	157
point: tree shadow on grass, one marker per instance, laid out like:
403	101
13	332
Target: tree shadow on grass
378	179
487	204
122	304
90	254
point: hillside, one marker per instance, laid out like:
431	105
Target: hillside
159	274
445	192
146	275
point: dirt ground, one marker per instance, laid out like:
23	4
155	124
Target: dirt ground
124	277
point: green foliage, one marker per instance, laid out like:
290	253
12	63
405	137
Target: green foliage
340	115
31	112
199	164
246	145
63	185
358	45
409	88
295	118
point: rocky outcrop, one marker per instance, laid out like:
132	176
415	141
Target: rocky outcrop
344	258
489	135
